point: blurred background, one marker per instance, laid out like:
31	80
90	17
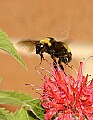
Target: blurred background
35	19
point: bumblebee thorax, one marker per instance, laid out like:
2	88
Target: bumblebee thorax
46	40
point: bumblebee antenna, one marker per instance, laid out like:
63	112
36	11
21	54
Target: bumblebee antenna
87	60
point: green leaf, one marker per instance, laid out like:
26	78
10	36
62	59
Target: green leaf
7	46
22	114
16	98
32	116
36	108
5	115
8	97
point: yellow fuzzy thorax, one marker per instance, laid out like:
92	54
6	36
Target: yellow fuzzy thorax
46	40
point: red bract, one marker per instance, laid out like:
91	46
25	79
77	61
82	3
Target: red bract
66	98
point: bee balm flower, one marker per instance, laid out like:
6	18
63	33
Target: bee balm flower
65	98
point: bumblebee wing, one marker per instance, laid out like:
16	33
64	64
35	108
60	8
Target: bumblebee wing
27	46
64	40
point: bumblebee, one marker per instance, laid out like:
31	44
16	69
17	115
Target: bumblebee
56	49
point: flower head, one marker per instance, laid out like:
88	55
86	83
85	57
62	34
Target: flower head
65	98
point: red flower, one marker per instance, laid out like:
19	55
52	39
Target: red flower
66	98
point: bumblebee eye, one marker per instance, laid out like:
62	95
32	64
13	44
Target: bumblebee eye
41	46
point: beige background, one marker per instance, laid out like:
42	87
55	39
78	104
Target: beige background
36	19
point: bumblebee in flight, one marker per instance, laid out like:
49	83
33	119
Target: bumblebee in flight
56	49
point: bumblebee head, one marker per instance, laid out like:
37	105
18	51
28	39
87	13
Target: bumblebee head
44	45
40	48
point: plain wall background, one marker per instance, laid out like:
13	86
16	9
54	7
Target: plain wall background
36	19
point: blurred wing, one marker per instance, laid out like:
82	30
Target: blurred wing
27	46
64	40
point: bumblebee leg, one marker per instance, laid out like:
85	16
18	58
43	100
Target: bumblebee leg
70	66
42	57
59	62
54	62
